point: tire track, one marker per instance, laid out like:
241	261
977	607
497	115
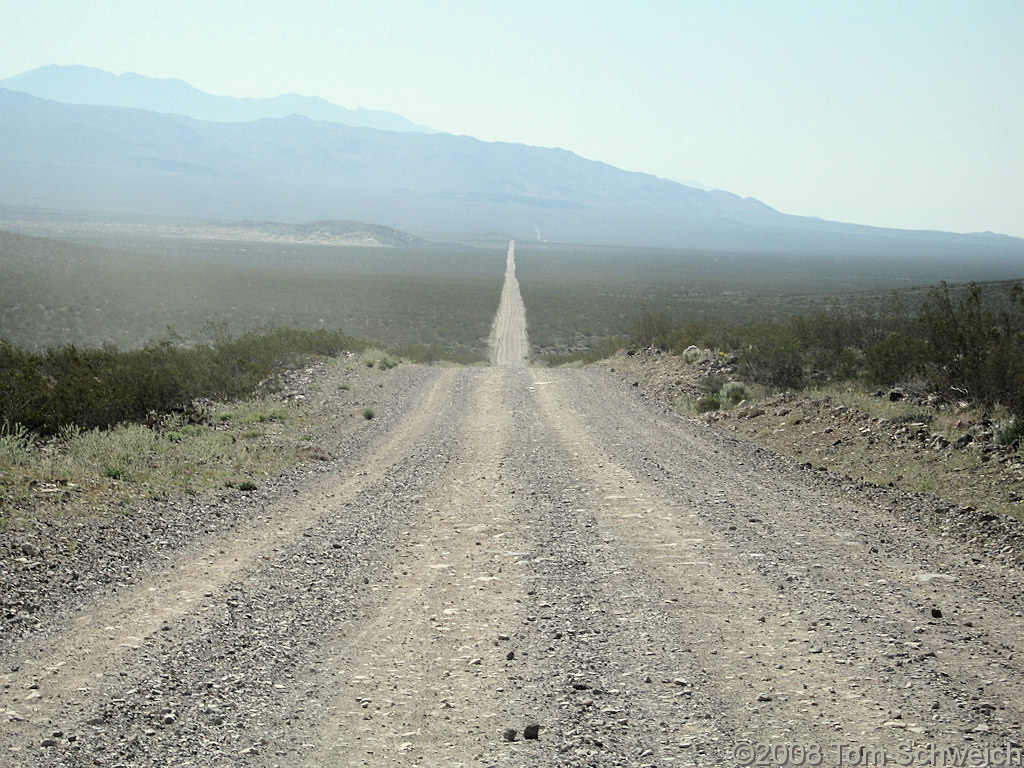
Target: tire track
793	603
420	683
59	677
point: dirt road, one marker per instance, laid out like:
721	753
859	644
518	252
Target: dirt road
536	547
508	336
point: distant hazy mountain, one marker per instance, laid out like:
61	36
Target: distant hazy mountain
87	85
47	223
296	169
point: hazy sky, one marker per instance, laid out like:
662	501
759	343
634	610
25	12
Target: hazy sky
896	113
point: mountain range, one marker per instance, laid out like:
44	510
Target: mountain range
88	85
142	157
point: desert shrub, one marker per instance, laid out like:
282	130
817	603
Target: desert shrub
893	357
91	388
773	358
254	413
601	349
15	445
833	341
378	358
1012	434
422	353
733	392
369	413
837	345
968	342
975	345
692	354
653	329
123	453
707	403
713	384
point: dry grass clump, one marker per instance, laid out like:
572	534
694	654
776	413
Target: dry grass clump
137	460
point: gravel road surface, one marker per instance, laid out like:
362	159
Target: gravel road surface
529	547
508	337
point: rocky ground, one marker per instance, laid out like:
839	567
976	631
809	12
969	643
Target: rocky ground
66	544
940	459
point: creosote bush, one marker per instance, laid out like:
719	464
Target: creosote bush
98	388
966	343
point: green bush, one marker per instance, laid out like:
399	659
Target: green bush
15	445
967	342
98	388
733	392
708	403
774	359
974	346
1012	434
713	384
378	358
893	358
653	330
